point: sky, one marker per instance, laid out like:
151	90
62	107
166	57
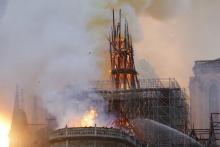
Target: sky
47	45
171	44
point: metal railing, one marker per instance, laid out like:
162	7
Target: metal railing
101	132
144	83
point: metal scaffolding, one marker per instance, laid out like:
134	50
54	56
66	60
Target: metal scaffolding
129	98
161	100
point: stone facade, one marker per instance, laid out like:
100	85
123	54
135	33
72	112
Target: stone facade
205	92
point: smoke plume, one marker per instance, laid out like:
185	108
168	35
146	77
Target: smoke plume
54	48
48	45
167	9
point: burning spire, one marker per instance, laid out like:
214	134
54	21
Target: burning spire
124	74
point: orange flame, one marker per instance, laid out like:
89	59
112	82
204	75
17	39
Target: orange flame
89	117
4	132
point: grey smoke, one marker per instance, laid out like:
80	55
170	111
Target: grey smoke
166	9
145	70
71	104
3	6
46	45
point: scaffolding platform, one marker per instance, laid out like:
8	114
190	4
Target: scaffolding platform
161	100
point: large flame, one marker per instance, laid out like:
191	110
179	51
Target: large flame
4	133
89	117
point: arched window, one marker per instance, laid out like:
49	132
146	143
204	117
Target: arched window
213	99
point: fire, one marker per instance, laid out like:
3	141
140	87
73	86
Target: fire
4	133
89	117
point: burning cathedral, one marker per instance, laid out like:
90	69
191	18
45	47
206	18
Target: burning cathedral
148	112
